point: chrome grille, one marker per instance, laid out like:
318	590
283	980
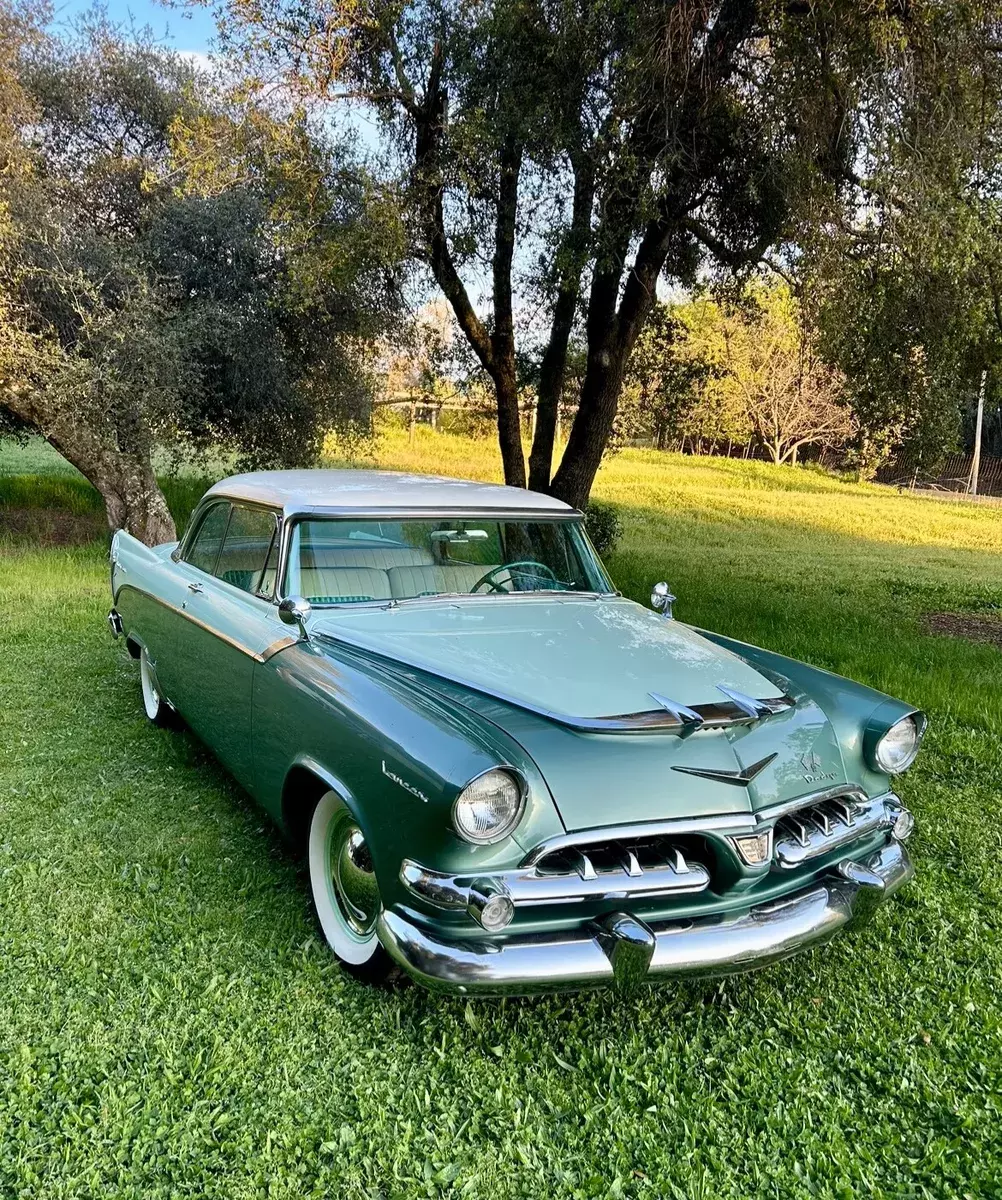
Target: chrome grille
608	869
650	866
825	825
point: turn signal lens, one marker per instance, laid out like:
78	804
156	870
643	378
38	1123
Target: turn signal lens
754	848
896	750
488	808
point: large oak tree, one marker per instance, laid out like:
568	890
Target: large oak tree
563	156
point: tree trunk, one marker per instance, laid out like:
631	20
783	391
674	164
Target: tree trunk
132	497
502	354
125	480
553	368
590	430
509	426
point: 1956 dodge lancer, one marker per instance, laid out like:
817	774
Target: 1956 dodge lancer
507	777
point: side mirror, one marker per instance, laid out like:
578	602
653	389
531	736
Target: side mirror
662	600
294	610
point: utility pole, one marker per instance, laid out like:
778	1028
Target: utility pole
976	461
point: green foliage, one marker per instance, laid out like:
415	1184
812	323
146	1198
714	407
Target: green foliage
584	151
735	365
603	525
908	290
178	267
667	391
163	983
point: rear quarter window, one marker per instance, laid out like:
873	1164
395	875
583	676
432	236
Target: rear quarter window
204	549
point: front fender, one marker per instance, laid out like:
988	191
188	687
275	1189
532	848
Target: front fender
398	754
854	710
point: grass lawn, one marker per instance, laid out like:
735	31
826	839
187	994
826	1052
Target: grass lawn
171	1026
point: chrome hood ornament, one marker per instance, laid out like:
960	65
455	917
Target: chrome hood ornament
662	600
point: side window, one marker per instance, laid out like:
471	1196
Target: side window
204	550
246	560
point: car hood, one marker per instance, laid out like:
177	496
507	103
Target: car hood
568	658
532	667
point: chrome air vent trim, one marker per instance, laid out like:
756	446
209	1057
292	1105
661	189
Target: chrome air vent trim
828	823
615	871
674	717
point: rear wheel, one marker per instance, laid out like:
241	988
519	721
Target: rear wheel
157	708
345	893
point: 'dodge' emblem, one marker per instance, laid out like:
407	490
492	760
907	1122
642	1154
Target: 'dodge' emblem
812	762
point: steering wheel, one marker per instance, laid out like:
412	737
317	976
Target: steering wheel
511	568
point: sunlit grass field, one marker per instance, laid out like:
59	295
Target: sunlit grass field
170	1024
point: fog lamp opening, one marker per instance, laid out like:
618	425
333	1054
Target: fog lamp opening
903	825
490	905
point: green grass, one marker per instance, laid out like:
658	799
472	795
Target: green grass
171	1026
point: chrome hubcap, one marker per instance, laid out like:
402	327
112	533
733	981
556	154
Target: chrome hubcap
353	880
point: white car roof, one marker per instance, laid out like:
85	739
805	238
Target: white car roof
379	492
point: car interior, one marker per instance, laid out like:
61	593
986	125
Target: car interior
333	561
338	575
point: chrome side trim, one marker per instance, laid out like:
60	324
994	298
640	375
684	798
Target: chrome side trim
590	956
263	656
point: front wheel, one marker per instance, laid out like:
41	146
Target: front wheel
345	893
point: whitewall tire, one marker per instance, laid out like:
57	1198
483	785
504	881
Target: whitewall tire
156	707
345	894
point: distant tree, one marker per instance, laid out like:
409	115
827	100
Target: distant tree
736	366
792	399
577	151
665	381
909	285
176	269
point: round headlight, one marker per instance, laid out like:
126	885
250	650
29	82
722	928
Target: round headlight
896	750
488	809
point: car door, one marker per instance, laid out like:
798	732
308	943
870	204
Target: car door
232	623
183	574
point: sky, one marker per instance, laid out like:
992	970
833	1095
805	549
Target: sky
189	30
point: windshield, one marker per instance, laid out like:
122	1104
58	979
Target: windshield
339	561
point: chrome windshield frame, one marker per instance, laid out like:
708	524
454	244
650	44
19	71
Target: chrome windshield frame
292	519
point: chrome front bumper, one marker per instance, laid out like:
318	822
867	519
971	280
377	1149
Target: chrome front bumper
624	950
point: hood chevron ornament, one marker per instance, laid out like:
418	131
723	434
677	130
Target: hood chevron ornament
738	778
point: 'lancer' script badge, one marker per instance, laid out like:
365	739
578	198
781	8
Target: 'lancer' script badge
738	778
408	787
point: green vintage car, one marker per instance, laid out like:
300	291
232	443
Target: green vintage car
507	777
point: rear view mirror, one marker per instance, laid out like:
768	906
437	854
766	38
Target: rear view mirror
459	537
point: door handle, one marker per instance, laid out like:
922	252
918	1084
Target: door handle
194	587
